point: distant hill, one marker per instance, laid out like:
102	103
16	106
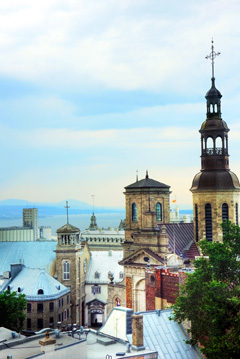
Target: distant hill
12	208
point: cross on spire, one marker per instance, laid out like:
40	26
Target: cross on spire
212	56
67	206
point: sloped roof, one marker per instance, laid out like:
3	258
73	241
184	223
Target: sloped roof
104	262
166	336
30	280
68	228
180	235
147	183
32	254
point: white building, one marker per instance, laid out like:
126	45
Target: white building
16	234
103	270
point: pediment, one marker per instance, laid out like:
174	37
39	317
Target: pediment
137	258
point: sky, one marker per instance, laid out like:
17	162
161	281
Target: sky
92	91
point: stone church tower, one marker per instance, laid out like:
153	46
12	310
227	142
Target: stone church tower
215	188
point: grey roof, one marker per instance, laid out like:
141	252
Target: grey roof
30	280
34	254
180	235
166	336
147	183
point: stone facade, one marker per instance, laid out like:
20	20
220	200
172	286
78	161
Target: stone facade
46	314
71	266
216	199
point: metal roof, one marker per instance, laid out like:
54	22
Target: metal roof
166	336
32	254
147	183
68	228
30	280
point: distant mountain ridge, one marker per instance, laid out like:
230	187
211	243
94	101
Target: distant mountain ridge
12	208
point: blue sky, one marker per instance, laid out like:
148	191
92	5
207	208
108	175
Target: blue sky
93	90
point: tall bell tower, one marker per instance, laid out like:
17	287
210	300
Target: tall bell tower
215	188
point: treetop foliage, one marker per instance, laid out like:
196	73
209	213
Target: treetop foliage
12	308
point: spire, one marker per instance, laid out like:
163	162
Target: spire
136	175
213	96
67	206
146	173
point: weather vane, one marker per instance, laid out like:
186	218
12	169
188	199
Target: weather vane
67	206
93	195
212	56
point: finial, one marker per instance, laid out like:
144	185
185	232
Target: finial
212	56
67	206
146	173
93	195
136	175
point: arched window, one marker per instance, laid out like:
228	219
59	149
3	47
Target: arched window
209	142
236	209
158	209
40	291
66	270
225	212
134	212
196	222
208	221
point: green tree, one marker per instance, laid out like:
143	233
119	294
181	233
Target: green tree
210	297
12	309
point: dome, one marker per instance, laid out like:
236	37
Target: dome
215	180
213	92
214	124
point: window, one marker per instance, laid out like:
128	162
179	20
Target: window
96	289
66	270
67	299
59	317
51	320
158	210
97	275
65	314
236	213
40	323
110	275
225	212
29	307
59	303
121	275
62	301
29	323
40	291
134	212
196	222
208	221
40	307
51	306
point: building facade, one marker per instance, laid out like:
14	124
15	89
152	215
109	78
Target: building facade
30	220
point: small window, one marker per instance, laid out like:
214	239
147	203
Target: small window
59	317
158	209
19	290
121	275
40	323
29	323
67	299
59	303
40	307
134	212
51	306
29	307
97	275
40	291
96	289
51	320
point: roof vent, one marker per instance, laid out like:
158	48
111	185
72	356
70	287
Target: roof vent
58	287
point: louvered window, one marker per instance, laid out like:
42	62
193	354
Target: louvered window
158	209
196	222
134	212
208	221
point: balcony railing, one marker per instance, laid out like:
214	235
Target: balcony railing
218	151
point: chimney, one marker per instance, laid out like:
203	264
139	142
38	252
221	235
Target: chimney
137	332
47	344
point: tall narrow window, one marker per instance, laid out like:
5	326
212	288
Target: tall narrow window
225	212
208	221
236	209
158	209
134	212
66	270
196	223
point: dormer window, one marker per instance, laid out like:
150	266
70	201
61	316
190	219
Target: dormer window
19	290
40	291
121	275
97	275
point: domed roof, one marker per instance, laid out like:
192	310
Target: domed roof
214	124
217	179
68	228
213	92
